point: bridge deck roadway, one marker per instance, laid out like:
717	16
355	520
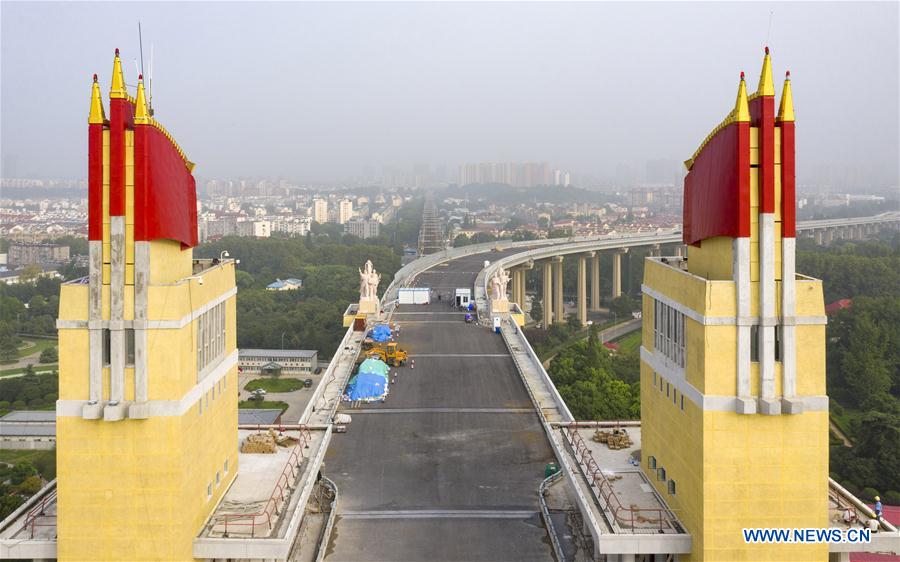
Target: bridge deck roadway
450	467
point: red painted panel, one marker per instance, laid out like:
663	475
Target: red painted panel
121	117
767	155
165	195
788	182
717	189
95	181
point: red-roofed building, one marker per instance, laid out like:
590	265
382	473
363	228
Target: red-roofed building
838	305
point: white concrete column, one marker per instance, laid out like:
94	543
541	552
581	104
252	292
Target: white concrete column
617	274
115	410
582	290
746	404
559	304
769	403
522	279
654	251
548	293
679	250
819	235
595	281
139	409
93	410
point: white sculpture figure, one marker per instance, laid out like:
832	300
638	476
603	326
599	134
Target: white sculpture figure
498	285
368	282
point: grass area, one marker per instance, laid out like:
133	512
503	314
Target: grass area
847	420
264	405
38	368
576	337
42	459
35	346
630	342
275	384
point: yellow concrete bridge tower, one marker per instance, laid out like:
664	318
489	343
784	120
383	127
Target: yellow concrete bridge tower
147	416
733	405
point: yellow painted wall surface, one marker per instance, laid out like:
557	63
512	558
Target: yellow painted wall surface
712	259
675	437
763	471
735	471
142	489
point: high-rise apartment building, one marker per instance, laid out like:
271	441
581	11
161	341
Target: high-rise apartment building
320	210
146	417
734	413
515	174
345	210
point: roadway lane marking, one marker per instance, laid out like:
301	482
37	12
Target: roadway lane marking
425	313
460	355
440	410
406	322
441	514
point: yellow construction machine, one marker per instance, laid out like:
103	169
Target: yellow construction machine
389	353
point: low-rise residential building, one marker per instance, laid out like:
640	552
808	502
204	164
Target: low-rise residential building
284	361
291	284
37	254
28	429
363	228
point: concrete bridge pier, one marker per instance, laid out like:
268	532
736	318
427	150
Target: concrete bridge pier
819	234
547	267
595	281
654	251
617	272
582	289
558	307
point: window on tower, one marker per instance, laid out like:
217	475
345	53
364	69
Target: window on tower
668	332
106	347
210	337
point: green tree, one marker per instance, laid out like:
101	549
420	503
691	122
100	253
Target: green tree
9	349
623	306
49	355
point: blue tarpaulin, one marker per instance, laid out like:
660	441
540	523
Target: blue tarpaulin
375	366
367	386
371	382
381	332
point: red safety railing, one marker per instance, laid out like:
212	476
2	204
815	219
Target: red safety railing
624	516
268	515
37	515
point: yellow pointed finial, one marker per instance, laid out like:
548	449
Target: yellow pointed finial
117	88
141	114
786	109
97	114
766	83
741	113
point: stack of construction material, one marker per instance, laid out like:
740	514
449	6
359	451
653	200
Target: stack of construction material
615	439
260	443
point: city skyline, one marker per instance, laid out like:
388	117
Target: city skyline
449	84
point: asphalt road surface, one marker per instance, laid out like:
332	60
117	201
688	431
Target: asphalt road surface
448	467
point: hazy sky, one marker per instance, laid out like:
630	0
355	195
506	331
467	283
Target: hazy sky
314	90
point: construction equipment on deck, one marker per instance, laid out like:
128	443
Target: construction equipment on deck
388	352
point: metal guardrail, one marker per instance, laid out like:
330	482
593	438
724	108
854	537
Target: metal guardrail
329	525
40	511
623	517
548	521
277	499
